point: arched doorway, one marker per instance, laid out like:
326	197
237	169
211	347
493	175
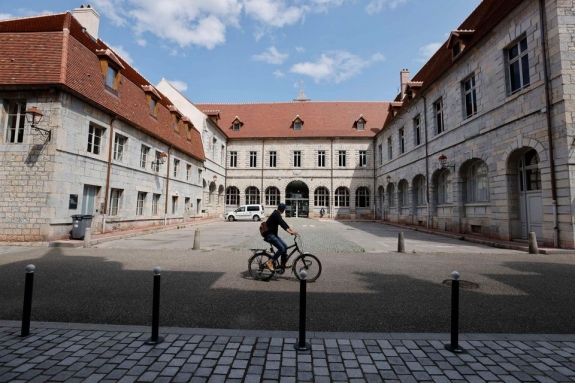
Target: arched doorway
531	206
297	199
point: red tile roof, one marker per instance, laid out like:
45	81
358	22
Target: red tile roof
321	119
37	51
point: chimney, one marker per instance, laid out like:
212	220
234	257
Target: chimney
89	18
404	77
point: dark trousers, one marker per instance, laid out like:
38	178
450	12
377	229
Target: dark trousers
280	246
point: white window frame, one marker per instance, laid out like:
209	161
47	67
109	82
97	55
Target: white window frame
272	196
362	197
363	158
297	159
95	139
342	158
439	117
15	123
478	183
120	144
321	197
521	61
444	188
389	149
116	200
341	197
141	203
253	159
176	168
155	203
469	87
321	158
144	153
233	159
417	130
401	140
273	159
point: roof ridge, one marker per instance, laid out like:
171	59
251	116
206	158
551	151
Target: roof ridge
35	16
283	102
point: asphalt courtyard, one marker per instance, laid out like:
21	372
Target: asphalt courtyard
366	286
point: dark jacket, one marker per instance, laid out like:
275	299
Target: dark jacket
274	221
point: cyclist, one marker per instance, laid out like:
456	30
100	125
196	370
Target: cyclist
273	222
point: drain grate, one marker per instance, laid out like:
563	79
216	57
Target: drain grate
462	284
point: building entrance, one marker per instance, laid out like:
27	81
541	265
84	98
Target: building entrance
297	199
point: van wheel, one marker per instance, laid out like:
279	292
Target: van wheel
231	218
256	217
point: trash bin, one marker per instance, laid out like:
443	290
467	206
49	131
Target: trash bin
79	224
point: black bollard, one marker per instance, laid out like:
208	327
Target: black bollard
27	312
156	339
302	345
400	243
454	345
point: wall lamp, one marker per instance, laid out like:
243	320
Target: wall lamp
443	162
388	178
34	116
160	159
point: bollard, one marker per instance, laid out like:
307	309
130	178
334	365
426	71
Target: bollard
156	339
302	345
88	238
400	243
27	312
454	345
196	240
533	243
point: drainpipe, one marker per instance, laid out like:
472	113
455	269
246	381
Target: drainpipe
426	160
331	200
543	17
167	185
108	171
374	179
262	200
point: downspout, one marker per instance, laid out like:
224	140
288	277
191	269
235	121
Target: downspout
108	171
543	17
262	177
374	179
426	160
167	186
331	200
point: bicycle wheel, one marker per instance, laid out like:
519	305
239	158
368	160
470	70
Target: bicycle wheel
309	263
258	268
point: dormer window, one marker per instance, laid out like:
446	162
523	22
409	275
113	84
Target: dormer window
111	67
189	126
297	123
458	39
153	97
360	123
456	48
176	117
237	124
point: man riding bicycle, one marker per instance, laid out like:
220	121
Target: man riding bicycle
273	222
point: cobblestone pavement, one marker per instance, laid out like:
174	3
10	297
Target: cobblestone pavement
60	352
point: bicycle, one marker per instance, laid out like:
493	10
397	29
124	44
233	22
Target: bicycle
304	261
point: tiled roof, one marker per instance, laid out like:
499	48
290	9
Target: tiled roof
36	51
321	119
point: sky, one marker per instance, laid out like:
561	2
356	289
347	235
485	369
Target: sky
244	51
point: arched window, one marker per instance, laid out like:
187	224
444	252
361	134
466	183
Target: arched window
233	196
212	191
419	185
252	195
529	168
477	183
444	188
272	196
321	197
403	193
220	193
390	195
341	197
362	197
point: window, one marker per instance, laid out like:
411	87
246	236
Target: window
438	107
144	153
95	134
174	204
156	162
253	159
233	159
389	149
444	188
321	197
236	126
176	168
477	183
252	195
155	202
222	154
529	172
341	156
456	48
153	105
232	196
403	193
111	76
16	121
470	97
140	203
321	158
420	190
200	176
401	141
297	159
297	126
119	146
116	201
417	130
186	203
391	195
341	197
176	122
518	64
188	172
272	196
362	158
273	159
360	125
214	146
362	197
380	153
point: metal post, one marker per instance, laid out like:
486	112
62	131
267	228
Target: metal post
454	345
27	312
88	238
196	240
156	339
400	243
533	249
302	345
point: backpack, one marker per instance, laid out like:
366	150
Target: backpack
264	228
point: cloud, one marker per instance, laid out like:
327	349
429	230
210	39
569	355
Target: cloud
141	42
376	6
278	73
300	49
426	51
274	13
335	66
112	10
271	56
122	53
4	16
179	85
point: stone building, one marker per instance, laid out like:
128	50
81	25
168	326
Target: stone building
481	139
109	144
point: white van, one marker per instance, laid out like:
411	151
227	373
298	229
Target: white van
254	212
